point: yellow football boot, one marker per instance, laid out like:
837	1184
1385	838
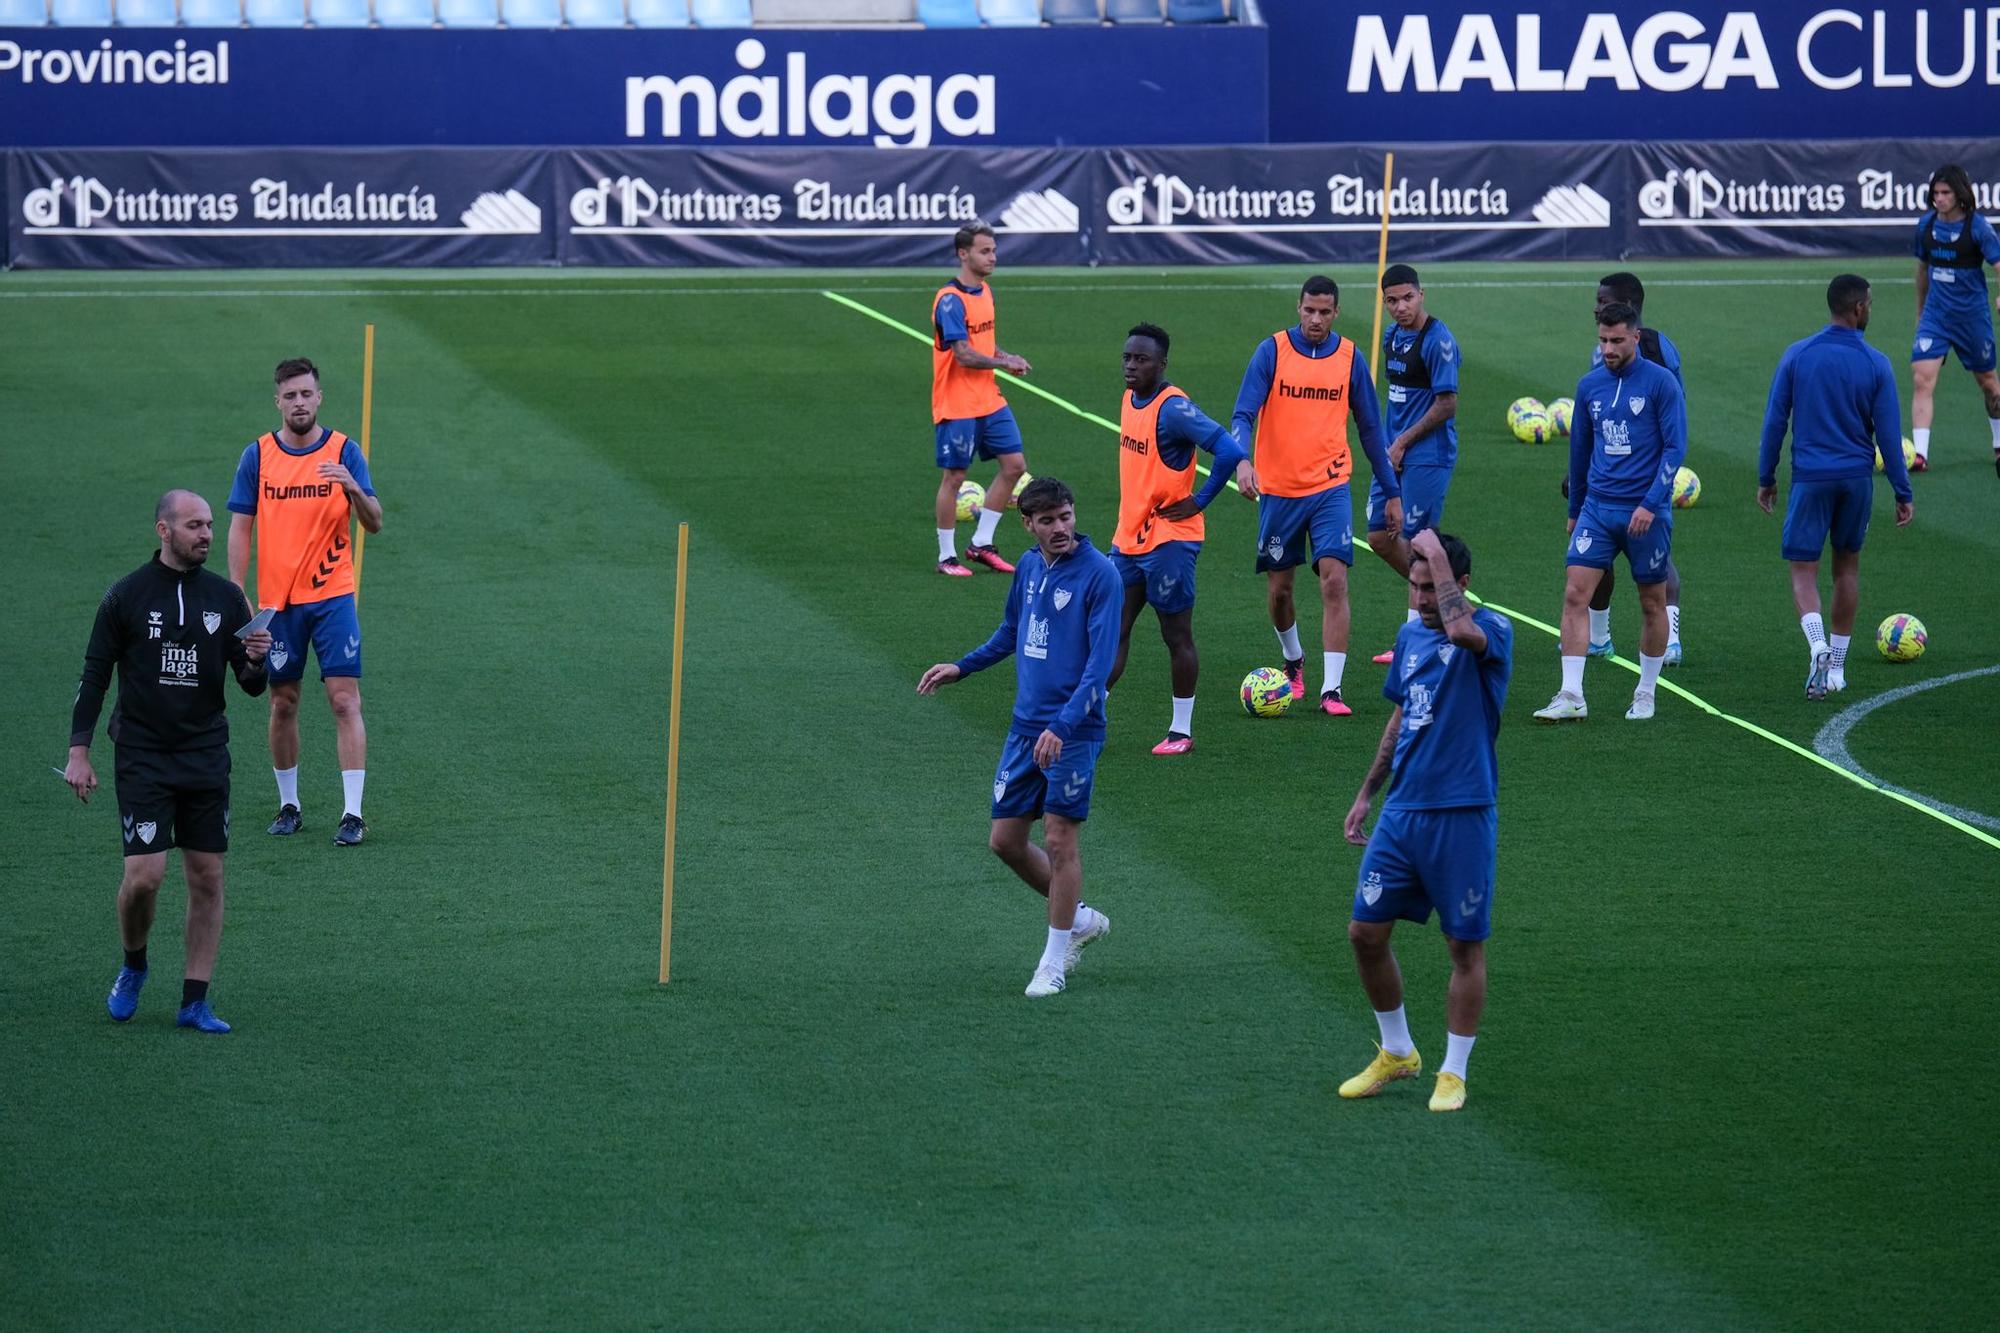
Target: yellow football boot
1383	1070
1450	1093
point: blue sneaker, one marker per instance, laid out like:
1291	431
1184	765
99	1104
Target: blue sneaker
1601	649
201	1018
1673	655
123	1001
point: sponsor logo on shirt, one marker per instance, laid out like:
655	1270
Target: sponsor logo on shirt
1615	436
1038	638
1417	711
1314	392
152	624
178	664
308	491
1136	446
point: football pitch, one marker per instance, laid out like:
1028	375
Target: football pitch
1734	1070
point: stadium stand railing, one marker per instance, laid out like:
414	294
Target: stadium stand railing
613	14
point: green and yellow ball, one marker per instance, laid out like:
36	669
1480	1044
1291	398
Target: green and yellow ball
1266	692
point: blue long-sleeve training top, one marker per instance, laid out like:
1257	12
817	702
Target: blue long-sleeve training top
1061	623
1185	428
1367	413
1627	438
1839	396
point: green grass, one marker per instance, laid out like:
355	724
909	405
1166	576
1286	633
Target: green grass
1733	1071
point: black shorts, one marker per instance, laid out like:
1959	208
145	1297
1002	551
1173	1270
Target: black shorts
172	798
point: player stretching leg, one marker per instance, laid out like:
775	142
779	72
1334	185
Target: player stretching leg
1302	386
1952	309
1838	395
1160	525
1420	361
1626	442
1061	628
972	420
1436	844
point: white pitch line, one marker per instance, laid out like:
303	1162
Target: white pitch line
1831	744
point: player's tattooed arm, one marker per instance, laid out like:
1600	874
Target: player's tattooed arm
1378	771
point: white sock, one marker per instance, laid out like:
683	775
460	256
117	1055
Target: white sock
947	543
1183	715
1921	437
989	523
350	784
1410	617
1600	624
1336	667
1573	675
1457	1050
1395	1027
1815	631
1288	642
288	785
1056	952
1839	642
1673	626
1649	670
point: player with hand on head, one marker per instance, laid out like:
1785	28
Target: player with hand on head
1160	525
1954	243
1838	395
297	490
1061	628
1658	348
1626	442
175	632
1302	389
1420	363
971	418
1436	846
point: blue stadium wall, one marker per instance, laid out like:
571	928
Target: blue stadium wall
1692	130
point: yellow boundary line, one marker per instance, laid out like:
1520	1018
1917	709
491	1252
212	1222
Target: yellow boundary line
1704	705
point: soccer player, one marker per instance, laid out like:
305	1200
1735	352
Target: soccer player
1301	389
1838	395
1436	844
1626	442
1658	348
296	490
972	420
1952	311
171	629
1160	523
1061	625
1420	362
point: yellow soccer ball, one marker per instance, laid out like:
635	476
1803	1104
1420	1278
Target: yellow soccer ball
971	496
1687	488
1266	692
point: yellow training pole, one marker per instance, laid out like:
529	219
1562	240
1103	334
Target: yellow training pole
1381	265
673	755
367	411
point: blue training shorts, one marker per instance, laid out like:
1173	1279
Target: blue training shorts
1286	522
1971	338
1601	534
1167	571
988	437
1420	860
1424	485
332	628
1817	510
1023	791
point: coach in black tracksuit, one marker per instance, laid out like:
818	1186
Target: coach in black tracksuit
170	628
